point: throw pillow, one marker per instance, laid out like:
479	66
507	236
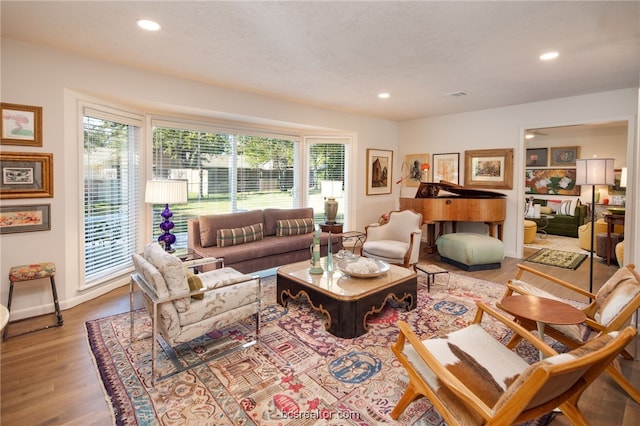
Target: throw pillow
233	236
567	207
554	205
195	283
285	228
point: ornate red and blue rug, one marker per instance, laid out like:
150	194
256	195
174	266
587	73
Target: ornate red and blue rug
297	374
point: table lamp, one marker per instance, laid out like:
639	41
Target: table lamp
331	189
594	171
165	192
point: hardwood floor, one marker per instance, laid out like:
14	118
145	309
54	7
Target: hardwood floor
48	377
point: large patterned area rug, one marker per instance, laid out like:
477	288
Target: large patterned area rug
298	374
557	258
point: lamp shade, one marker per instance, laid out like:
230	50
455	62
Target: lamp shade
623	178
166	192
595	171
331	188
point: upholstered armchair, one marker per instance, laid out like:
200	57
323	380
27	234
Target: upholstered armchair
397	241
610	309
471	378
185	306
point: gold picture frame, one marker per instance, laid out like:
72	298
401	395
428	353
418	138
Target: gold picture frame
415	173
20	125
379	171
564	156
489	168
26	175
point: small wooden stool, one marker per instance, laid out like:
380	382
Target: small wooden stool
33	272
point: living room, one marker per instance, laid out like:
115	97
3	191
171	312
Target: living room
59	80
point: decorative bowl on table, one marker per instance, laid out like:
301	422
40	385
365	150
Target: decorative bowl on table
616	210
363	267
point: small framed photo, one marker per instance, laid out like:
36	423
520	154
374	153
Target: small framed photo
537	157
489	168
418	169
14	219
21	125
379	171
26	175
564	156
446	167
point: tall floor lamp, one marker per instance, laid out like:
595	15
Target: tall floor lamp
165	192
594	171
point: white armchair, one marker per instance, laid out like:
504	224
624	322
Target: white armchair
183	307
397	241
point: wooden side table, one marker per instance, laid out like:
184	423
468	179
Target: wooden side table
334	228
542	311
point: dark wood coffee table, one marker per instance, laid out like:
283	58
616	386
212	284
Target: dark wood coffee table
346	301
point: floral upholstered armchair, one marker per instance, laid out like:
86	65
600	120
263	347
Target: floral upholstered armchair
185	306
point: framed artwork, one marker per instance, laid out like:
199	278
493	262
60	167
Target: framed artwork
14	219
379	171
418	167
537	157
21	125
564	156
26	175
617	188
489	168
551	182
446	167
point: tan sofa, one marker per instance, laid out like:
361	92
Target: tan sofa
258	239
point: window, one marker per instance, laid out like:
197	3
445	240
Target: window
326	159
225	171
112	176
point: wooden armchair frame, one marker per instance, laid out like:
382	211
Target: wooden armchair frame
621	319
527	397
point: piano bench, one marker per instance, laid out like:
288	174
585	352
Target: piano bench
471	252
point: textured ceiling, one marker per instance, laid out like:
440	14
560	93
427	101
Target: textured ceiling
339	55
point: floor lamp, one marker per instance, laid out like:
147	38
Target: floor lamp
594	171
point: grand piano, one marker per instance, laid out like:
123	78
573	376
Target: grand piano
460	204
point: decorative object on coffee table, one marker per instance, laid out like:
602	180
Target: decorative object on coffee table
166	192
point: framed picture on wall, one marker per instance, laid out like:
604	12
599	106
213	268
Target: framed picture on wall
21	125
446	167
537	157
551	182
379	171
489	168
26	175
418	169
564	156
14	219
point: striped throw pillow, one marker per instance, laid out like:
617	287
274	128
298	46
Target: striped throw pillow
285	228
234	236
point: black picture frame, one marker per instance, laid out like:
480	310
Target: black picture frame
537	157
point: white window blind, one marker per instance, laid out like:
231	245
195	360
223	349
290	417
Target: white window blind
112	192
327	159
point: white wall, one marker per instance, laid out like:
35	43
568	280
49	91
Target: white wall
34	75
504	128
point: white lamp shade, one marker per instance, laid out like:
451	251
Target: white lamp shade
623	178
166	192
595	171
331	188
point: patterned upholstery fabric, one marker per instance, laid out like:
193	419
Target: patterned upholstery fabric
288	227
172	271
233	236
615	294
33	271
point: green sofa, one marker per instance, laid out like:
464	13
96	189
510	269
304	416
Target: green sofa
561	224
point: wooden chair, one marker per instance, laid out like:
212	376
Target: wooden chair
611	309
397	241
471	378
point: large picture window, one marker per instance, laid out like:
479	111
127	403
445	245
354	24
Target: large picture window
112	176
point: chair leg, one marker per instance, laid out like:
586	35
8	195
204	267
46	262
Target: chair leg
54	292
572	412
623	382
408	396
5	334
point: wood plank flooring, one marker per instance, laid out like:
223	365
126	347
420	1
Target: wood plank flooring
48	377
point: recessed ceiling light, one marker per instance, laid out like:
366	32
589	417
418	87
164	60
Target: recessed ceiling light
383	95
548	56
145	24
529	136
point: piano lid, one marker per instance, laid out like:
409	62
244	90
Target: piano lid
431	190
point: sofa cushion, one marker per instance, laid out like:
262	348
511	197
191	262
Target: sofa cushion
233	236
272	216
568	207
209	224
288	227
172	271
